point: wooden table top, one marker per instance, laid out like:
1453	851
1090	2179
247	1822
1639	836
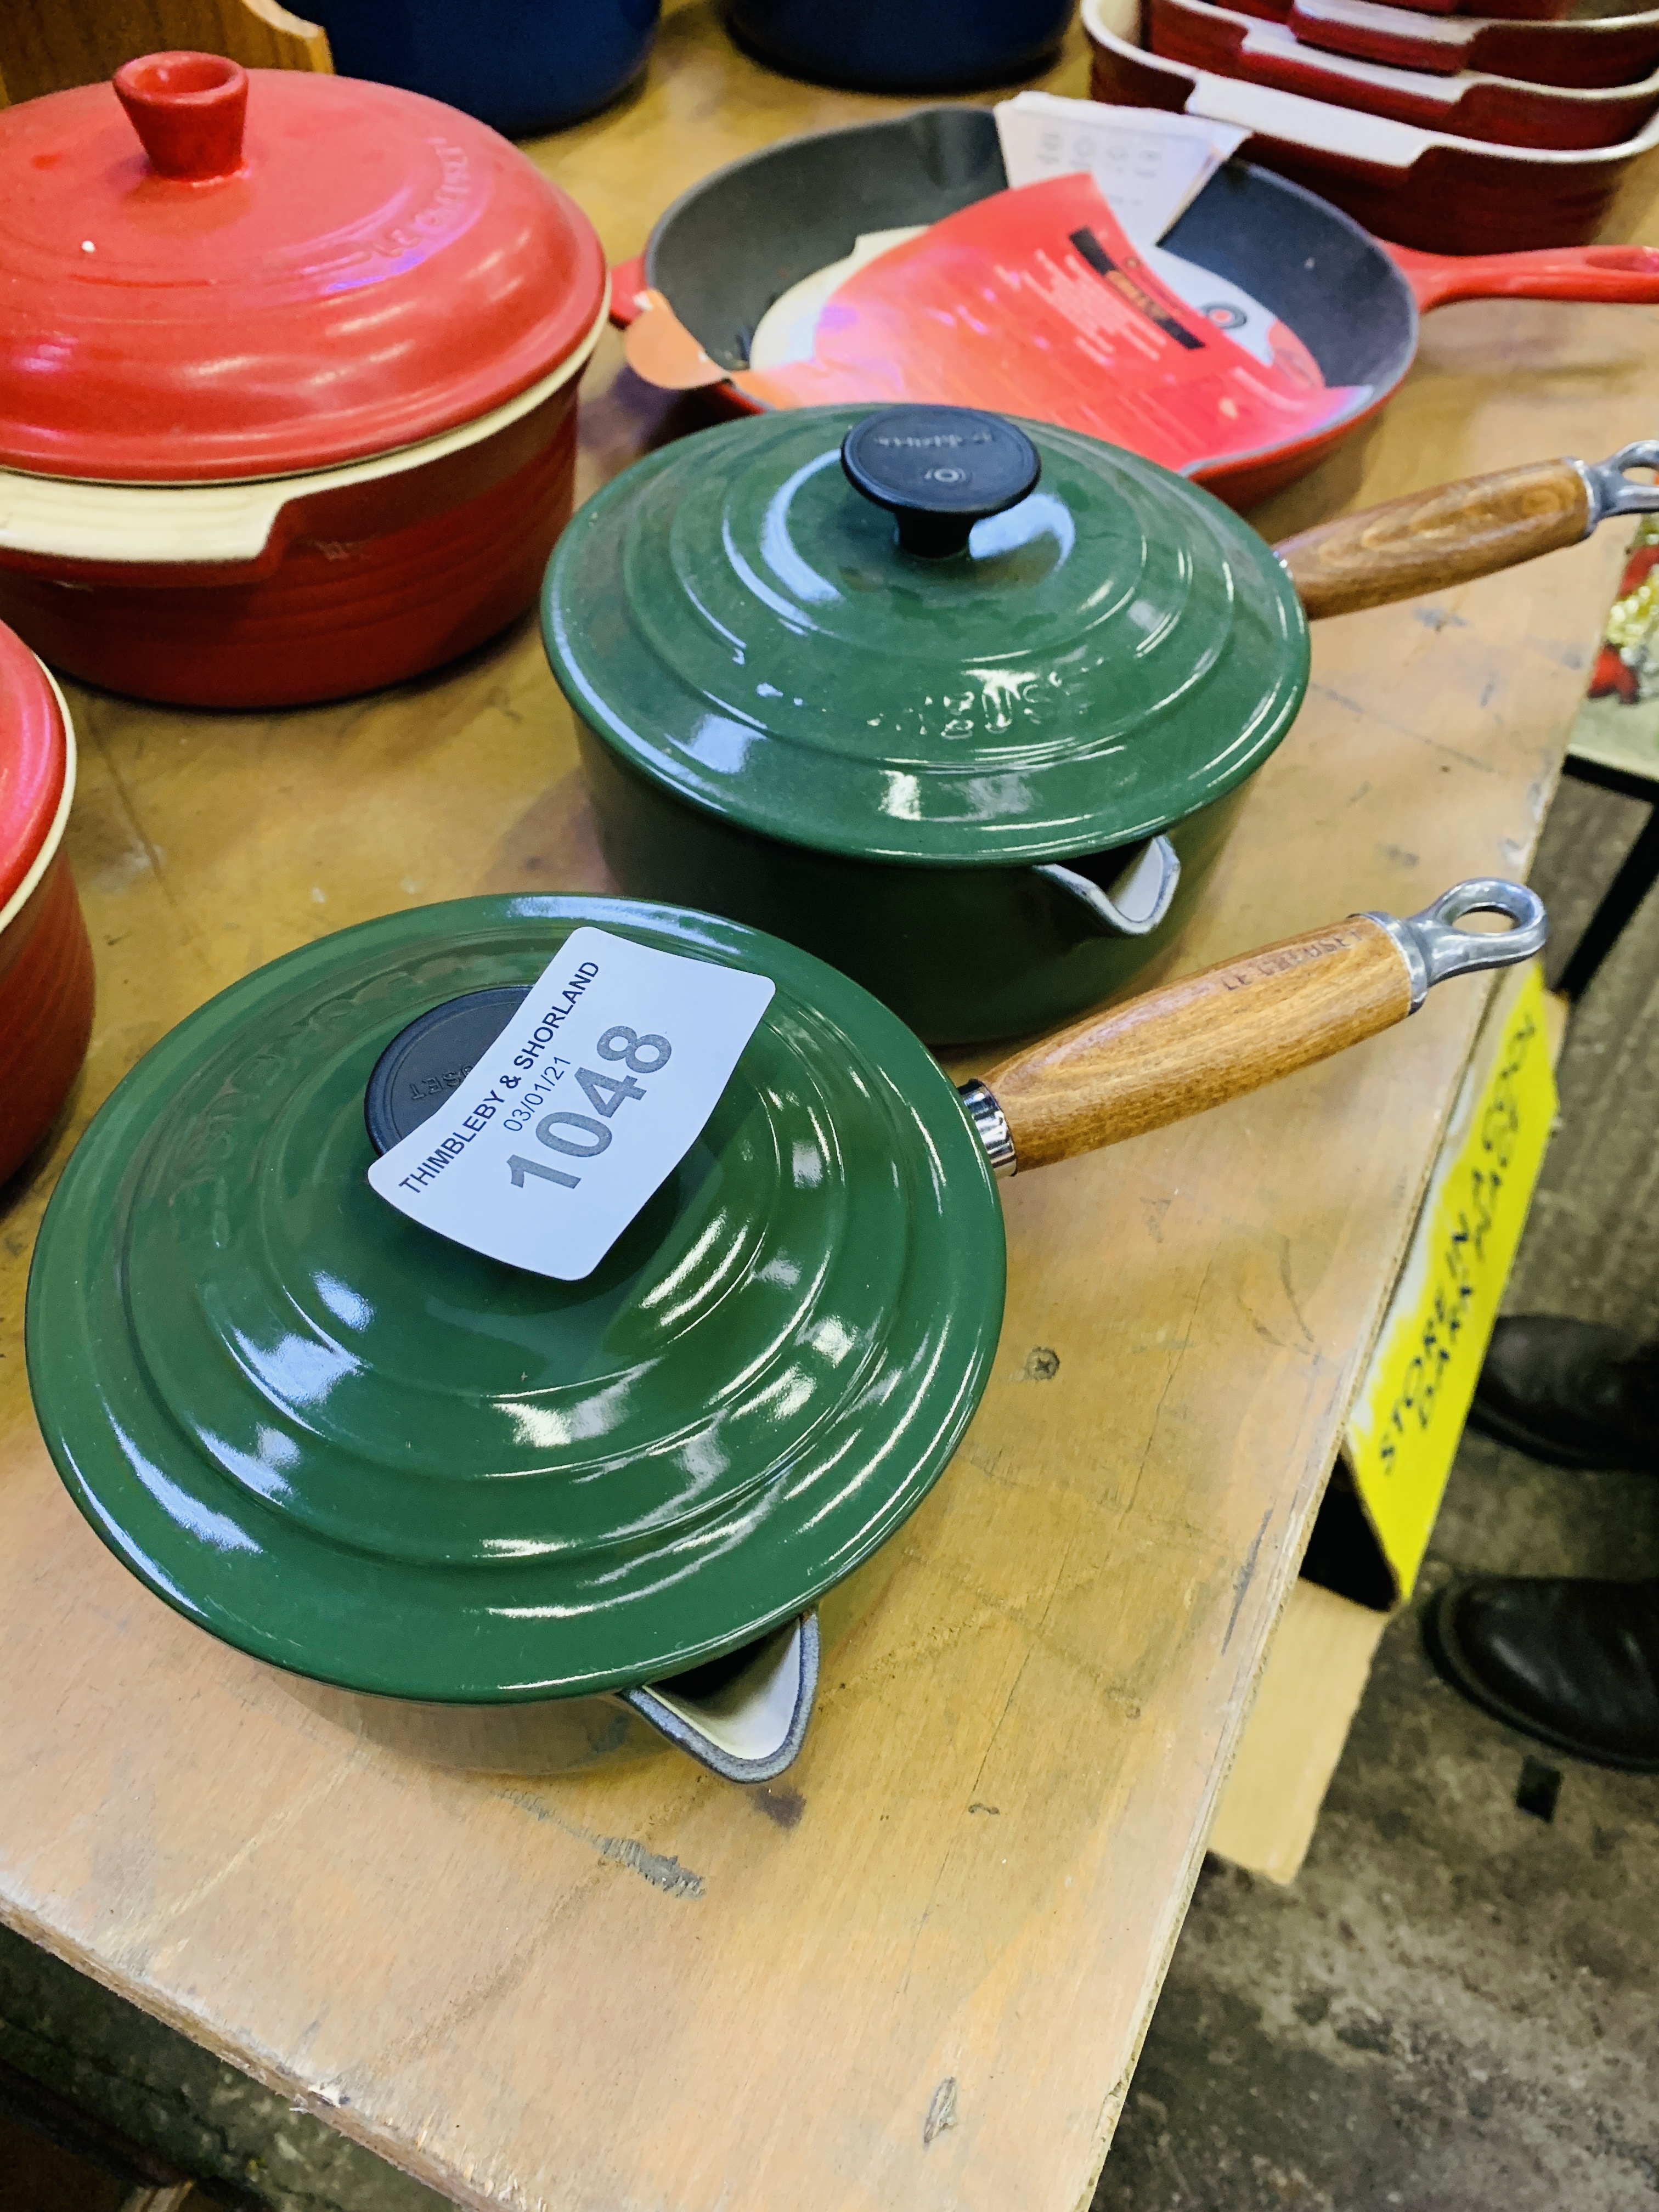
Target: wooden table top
915	1973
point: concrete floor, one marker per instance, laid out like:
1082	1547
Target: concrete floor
1455	2007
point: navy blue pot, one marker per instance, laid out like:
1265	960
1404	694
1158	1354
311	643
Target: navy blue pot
903	46
523	66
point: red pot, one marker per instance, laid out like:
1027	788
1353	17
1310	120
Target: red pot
45	960
307	423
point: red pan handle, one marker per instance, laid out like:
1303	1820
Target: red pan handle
626	283
1626	275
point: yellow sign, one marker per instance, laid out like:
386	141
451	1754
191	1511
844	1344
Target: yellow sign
1411	1408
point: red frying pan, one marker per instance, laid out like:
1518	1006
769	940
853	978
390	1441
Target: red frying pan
728	247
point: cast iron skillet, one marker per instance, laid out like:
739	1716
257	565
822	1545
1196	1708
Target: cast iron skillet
728	247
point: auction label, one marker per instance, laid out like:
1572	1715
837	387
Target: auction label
597	1088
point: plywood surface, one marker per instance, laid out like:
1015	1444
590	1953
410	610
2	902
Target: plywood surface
915	1973
47	45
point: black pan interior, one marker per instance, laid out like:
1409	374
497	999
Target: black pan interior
1322	275
725	250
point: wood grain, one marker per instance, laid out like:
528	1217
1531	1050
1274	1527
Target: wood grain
1433	539
46	45
1198	1043
642	1988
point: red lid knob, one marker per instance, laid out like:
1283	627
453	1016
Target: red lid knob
188	109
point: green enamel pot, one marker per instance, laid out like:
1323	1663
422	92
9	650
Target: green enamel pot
963	706
388	1464
505	1520
966	707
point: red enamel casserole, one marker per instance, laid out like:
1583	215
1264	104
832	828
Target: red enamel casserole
45	961
288	378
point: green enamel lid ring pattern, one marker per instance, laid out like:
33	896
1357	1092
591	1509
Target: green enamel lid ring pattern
740	623
361	1452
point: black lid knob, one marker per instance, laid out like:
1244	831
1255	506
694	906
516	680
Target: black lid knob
939	469
432	1057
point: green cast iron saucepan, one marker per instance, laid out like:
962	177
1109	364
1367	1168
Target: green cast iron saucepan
441	1488
965	707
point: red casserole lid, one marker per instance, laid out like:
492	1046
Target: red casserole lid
33	761
256	273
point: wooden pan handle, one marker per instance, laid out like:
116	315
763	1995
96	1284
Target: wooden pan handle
1437	538
1198	1043
1215	1036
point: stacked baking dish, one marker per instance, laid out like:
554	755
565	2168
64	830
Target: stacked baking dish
1453	133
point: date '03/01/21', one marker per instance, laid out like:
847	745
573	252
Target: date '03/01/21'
542	1111
584	1136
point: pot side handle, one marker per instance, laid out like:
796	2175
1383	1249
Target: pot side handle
238	531
227	526
1228	1031
748	1726
1473	527
1137	893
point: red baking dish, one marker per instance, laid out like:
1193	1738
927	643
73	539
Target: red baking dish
45	960
1426	189
287	379
1471	105
1585	47
1514	11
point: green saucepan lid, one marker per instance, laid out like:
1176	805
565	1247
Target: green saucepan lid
348	1446
810	647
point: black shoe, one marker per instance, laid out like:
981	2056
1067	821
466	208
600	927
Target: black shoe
1574	1663
1570	1393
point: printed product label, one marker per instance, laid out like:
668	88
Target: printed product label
594	1092
1036	301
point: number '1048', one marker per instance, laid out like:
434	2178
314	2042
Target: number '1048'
584	1136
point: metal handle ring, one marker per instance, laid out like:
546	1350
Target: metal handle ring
1610	488
1434	947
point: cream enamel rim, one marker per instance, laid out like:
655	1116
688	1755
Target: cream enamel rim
54	836
64	519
